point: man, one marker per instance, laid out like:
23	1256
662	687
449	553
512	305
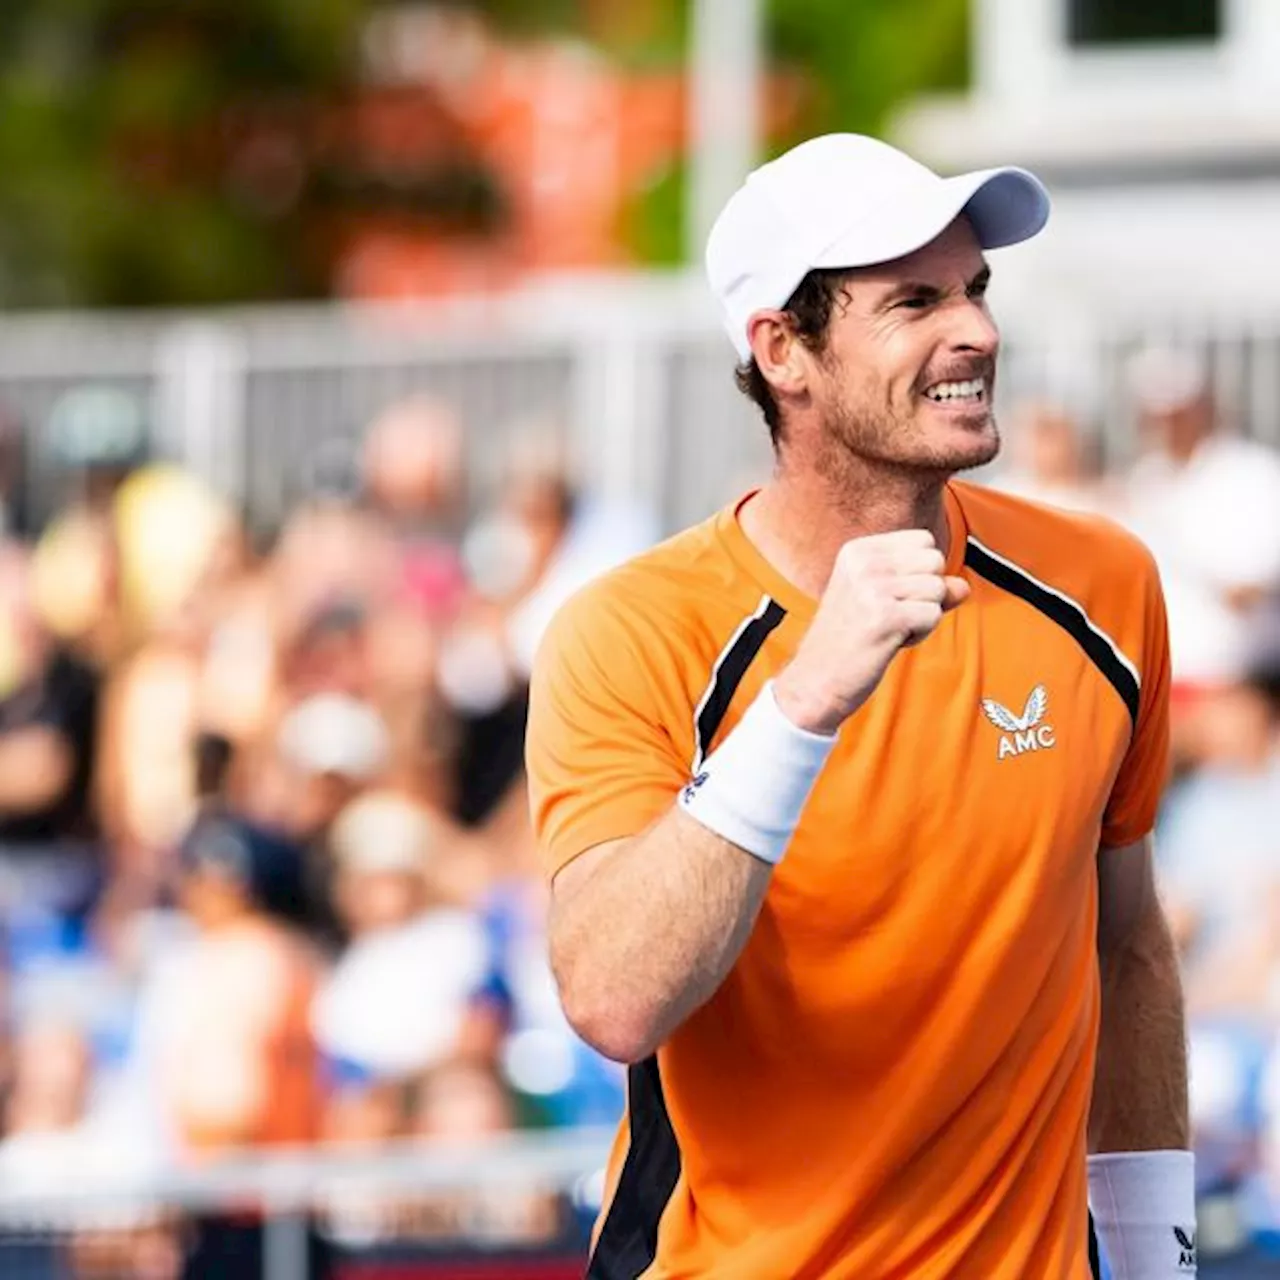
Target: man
1054	461
236	1067
879	1055
1204	499
51	862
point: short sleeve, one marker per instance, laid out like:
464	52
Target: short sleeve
600	751
1135	795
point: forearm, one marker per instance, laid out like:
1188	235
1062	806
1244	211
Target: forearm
653	932
1140	1087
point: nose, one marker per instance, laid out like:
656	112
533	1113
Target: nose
973	331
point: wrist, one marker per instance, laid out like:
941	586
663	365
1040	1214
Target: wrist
752	788
805	707
1143	1205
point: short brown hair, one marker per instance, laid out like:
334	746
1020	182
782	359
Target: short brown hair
810	308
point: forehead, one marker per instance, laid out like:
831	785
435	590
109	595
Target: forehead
955	254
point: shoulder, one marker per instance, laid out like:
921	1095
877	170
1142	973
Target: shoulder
1079	553
1084	571
665	606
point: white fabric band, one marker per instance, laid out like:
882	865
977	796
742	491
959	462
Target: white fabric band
1144	1210
755	783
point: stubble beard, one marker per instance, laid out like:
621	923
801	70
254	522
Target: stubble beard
860	440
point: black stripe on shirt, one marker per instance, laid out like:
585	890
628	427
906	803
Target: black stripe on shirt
1067	614
628	1241
729	669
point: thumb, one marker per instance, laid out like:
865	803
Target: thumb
958	592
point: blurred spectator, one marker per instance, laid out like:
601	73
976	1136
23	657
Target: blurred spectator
1205	501
223	1041
45	1141
559	1079
1219	863
178	545
95	436
50	863
240	675
329	552
328	748
360	1111
1052	461
16	518
414	477
62	1130
179	550
482	677
462	1101
538	544
310	750
1219	852
574	538
400	999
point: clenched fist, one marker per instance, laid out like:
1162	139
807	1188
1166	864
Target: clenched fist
886	591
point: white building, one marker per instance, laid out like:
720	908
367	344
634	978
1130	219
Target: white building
1157	126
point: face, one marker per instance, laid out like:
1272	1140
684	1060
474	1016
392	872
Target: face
371	900
1179	429
1050	444
907	376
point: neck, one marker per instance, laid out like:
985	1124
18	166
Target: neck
801	519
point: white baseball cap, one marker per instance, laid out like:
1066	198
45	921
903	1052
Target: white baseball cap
844	200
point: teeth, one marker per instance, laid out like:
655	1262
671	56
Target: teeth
971	390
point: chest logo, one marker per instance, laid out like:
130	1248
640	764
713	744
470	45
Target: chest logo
1027	732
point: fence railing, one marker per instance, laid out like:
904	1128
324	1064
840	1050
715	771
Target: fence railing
633	371
523	1198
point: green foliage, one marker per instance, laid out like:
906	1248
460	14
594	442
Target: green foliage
860	58
868	56
120	183
653	222
113	118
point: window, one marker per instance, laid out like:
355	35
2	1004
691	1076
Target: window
1127	22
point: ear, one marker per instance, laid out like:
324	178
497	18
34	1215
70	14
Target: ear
779	353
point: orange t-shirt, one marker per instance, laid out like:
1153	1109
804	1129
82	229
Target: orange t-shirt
894	1078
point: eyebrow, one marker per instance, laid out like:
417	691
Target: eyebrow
919	290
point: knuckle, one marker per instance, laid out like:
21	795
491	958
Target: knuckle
853	555
916	538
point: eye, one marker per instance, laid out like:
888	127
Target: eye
979	289
913	304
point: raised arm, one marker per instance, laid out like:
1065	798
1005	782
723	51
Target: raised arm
644	929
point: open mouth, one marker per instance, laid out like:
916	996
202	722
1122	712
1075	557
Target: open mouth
971	392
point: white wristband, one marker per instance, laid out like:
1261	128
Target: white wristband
752	788
1144	1211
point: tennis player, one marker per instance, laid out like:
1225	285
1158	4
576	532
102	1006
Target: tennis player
847	797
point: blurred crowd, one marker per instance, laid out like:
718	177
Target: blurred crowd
1206	500
266	873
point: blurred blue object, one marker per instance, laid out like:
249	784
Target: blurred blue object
544	1059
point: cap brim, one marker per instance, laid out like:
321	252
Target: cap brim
1004	206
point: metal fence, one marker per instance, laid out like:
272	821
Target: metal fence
517	1207
512	1208
633	371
